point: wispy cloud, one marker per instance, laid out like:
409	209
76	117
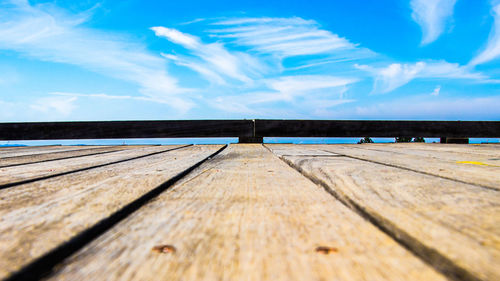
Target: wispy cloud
58	105
283	37
432	16
492	50
46	108
396	75
112	97
48	33
314	94
202	69
424	107
235	65
290	87
436	91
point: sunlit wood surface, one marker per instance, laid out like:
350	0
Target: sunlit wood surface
251	212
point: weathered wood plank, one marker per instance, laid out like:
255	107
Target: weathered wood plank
20	174
305	150
23	147
481	149
492	158
37	217
376	128
454	226
126	129
460	170
245	215
44	157
34	150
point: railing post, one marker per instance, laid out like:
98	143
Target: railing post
253	138
454	140
250	139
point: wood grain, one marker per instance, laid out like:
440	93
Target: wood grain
126	129
10	175
455	167
34	150
492	158
474	149
37	217
59	155
24	147
455	226
376	128
244	215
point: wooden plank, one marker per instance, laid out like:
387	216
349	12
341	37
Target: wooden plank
454	226
481	149
356	128
37	217
126	129
305	150
462	171
490	158
44	157
23	147
246	129
34	150
245	215
21	174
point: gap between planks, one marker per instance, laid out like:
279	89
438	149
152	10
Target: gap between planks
47	157
43	264
244	215
72	170
468	268
485	177
36	150
418	171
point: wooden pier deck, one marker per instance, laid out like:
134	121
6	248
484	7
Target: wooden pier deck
251	212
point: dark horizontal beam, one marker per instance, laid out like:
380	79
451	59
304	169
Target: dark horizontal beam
246	129
336	128
126	129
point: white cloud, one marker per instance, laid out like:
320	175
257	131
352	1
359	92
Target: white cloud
48	33
396	75
436	91
203	70
236	65
432	16
321	62
112	97
423	108
289	87
305	95
55	105
284	37
492	50
186	40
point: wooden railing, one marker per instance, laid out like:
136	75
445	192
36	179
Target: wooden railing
248	130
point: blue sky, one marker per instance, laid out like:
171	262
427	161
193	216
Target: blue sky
136	60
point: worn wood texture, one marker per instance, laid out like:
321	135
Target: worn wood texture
244	215
35	150
59	155
454	226
490	150
19	174
4	149
491	157
126	129
465	168
37	217
357	128
247	128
